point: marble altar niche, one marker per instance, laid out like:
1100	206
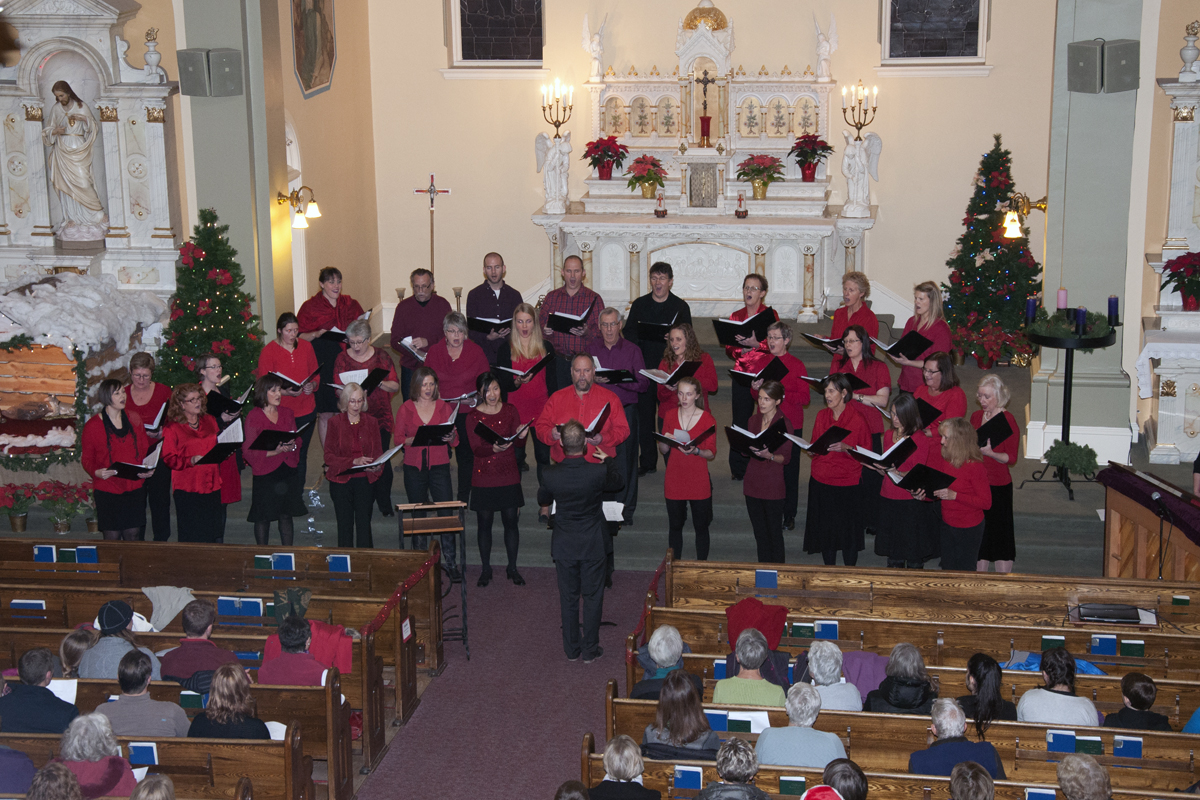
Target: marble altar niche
80	42
794	237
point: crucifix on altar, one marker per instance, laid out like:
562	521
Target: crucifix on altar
705	119
433	192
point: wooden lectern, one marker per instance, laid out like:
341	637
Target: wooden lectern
1132	524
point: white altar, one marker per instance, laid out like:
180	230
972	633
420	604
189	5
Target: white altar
79	41
793	237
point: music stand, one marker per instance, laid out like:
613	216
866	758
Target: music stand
413	525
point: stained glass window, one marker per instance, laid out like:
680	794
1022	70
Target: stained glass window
934	29
500	30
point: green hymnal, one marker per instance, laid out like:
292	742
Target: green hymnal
1051	642
262	562
1134	648
190	700
802	630
1181	600
66	555
792	785
739	725
1090	745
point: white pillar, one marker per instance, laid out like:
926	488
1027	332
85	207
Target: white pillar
1183	155
35	155
160	212
114	174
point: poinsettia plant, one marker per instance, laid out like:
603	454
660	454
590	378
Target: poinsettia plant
18	499
767	169
605	150
809	149
1183	274
991	341
645	169
63	501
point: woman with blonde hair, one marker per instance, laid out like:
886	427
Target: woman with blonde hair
353	440
189	435
965	500
90	750
999	537
427	468
856	288
927	320
154	787
687	481
230	710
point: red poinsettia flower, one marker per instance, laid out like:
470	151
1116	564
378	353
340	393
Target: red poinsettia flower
605	150
252	337
760	168
998	237
222	348
189	362
205	308
189	253
998	180
176	314
246	315
221	276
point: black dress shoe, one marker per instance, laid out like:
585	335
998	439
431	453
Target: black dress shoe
543	519
453	573
589	659
789	524
515	577
523	467
387	511
485	578
643	471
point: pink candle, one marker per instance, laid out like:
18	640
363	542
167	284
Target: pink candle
1062	298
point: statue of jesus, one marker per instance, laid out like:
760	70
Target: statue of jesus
71	136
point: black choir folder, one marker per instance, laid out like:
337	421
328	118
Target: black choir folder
534	370
376	463
432	435
487	325
820	447
772	438
928	411
270	439
290	385
891	458
563	323
688	442
591	430
995	430
829	345
911	345
130	472
336	334
228	441
218	404
655	330
856	383
685	370
491	437
773	371
922	477
728	330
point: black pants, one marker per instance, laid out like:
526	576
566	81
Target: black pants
352	503
960	546
791	485
158	495
743	408
198	515
405	380
647	407
464	457
849	557
431	485
383	484
702	514
483	535
581	580
766	518
541	453
627	462
305	440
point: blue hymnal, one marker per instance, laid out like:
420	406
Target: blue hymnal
239	607
791	672
28	605
248	655
1060	741
44	553
338	563
1127	746
766	579
719	669
1038	794
143	753
283	561
689	778
1104	645
86	554
717	720
825	629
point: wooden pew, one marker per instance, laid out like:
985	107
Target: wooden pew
883	742
659	775
244	791
210	769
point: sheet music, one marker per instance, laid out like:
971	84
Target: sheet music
233	434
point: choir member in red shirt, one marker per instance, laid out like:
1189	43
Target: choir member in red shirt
858	360
146	398
361	354
458	362
754	295
353	440
795	397
275	492
114	435
327	309
294	358
941	390
189	435
999	539
526	347
208	368
682	345
965	501
907	530
927	320
854	311
496	484
763	486
834	520
687	479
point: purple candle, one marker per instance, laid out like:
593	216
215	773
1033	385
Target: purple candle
1080	320
1030	310
1113	317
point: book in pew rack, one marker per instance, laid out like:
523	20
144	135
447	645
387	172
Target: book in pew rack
729	329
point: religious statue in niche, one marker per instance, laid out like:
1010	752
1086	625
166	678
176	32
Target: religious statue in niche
593	45
826	46
553	156
314	44
71	137
860	158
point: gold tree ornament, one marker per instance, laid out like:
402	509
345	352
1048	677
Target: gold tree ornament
152	35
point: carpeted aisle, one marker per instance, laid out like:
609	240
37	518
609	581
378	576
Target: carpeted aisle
509	722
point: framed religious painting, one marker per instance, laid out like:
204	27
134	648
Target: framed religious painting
314	44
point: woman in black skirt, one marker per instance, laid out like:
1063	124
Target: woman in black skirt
109	437
208	371
353	440
999	539
496	482
906	529
275	493
189	436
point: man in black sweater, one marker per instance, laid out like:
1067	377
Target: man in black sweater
1139	692
30	707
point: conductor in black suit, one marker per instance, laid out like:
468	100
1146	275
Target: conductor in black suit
577	544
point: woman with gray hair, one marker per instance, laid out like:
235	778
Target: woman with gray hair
737	766
798	745
748	686
907	689
999	455
353	440
90	750
825	669
360	354
458	362
661	656
622	773
1082	778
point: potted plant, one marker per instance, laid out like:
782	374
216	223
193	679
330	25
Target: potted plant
1183	274
18	500
1077	458
647	172
809	150
604	154
760	170
63	501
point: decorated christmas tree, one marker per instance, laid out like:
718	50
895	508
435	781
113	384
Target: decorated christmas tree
991	277
210	314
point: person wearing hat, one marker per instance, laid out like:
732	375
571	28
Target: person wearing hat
103	660
31	707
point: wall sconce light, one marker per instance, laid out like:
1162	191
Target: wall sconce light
305	209
1020	206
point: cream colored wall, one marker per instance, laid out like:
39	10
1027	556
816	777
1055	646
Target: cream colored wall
334	129
478	135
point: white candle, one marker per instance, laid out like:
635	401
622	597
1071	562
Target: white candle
571	96
843	97
543	97
875	98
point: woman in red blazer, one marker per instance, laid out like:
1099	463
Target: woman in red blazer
496	484
687	479
763	485
964	502
999	539
353	440
111	436
275	493
189	435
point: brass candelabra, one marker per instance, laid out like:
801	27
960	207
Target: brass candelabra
861	109
557	102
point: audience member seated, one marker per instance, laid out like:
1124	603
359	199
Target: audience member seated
749	687
1056	703
196	653
72	648
1081	778
1138	691
54	782
847	778
623	767
229	709
294	666
571	790
737	767
798	745
665	649
970	781
134	713
907	688
770	621
16	771
679	721
116	639
949	725
154	787
985	703
90	750
825	670
30	707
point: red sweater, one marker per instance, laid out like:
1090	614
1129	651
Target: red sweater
875	373
160	397
345	442
687	475
111	776
101	451
839	469
492	468
530	397
973	496
379	402
998	474
420	322
764	477
257	422
317	313
735	353
407	422
668	400
456	376
864	317
924	446
566	405
297	365
939	334
180	443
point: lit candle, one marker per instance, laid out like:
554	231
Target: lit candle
1062	297
1030	310
843	97
875	98
1112	309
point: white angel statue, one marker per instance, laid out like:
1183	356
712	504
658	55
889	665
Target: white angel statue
826	46
593	45
553	161
860	159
